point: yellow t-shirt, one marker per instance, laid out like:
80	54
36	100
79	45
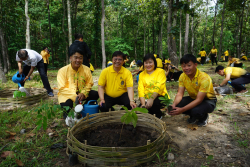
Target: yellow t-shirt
203	53
244	57
198	59
115	83
222	57
141	68
226	53
159	63
150	83
132	64
45	56
109	62
91	67
213	51
235	60
200	83
70	81
235	72
168	61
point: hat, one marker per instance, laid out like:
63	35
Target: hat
139	62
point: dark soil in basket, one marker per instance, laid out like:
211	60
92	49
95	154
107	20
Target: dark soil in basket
109	136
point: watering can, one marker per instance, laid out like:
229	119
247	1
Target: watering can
18	78
91	107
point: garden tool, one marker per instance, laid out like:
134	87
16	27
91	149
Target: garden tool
18	78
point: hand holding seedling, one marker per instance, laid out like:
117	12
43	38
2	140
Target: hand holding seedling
132	104
81	97
149	103
176	111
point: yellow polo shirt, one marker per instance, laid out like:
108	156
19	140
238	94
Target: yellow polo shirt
203	53
226	53
244	57
91	67
198	59
235	72
150	83
109	62
159	63
213	51
235	60
45	56
141	68
115	83
70	82
168	61
200	83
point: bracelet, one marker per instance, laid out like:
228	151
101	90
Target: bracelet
27	77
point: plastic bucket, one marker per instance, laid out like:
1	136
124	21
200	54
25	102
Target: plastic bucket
91	107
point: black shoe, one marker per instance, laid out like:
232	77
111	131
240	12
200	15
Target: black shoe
203	121
191	120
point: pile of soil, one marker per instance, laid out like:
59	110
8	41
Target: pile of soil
109	136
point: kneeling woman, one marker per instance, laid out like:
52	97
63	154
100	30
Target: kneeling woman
152	85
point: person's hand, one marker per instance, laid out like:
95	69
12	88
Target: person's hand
149	103
169	67
20	71
143	106
25	78
132	104
101	102
176	111
215	56
81	97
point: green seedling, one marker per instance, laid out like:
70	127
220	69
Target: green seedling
243	143
165	100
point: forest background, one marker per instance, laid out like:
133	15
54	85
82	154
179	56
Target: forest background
170	28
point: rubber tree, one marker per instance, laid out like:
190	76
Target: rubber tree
27	25
186	34
102	36
69	23
222	26
50	32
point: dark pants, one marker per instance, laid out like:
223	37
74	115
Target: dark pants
41	70
237	83
203	60
110	101
93	95
200	111
238	65
46	68
213	59
174	75
156	108
226	58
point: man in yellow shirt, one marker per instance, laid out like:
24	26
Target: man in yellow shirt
213	53
201	99
75	82
158	61
115	85
203	56
243	56
226	53
238	76
234	62
45	55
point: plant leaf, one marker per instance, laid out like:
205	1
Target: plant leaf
134	122
39	122
44	123
143	110
39	116
124	117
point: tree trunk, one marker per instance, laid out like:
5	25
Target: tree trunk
215	13
192	40
102	35
160	34
153	29
246	44
144	48
27	25
173	37
2	76
4	50
69	23
241	25
136	38
180	37
51	41
148	41
186	34
204	38
221	32
76	4
65	34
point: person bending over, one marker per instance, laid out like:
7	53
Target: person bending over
152	85
201	99
234	62
75	82
238	76
171	74
115	85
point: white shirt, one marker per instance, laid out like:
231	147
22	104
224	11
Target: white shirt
33	58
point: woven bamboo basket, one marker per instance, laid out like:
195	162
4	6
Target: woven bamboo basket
7	100
116	156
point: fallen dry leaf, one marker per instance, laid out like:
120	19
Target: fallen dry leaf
19	163
243	114
192	127
17	138
49	130
59	163
223	113
54	125
30	135
7	154
208	150
11	137
11	133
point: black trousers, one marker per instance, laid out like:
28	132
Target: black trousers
238	65
46	68
226	58
203	60
174	75
237	83
110	101
213	59
156	108
41	70
93	95
200	111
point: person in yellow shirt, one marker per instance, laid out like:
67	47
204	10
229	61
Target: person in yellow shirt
238	76
198	59
171	74
109	63
201	99
132	64
159	61
45	55
115	85
226	53
234	62
243	56
203	56
213	53
152	85
75	82
125	60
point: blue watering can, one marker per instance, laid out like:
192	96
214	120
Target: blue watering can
18	78
91	107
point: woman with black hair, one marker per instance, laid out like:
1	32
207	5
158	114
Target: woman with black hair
213	53
152	85
203	56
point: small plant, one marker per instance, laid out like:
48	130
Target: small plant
130	116
165	100
243	143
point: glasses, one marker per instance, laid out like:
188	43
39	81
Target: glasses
78	58
116	59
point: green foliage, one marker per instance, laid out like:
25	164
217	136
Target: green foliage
243	143
118	44
130	116
18	93
165	100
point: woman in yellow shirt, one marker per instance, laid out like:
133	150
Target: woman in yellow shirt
152	85
45	55
203	56
234	62
213	53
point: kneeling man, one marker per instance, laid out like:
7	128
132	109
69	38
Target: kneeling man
201	99
115	85
75	81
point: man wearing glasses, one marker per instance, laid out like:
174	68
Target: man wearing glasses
115	85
